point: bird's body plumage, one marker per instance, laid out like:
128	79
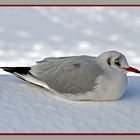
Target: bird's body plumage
77	77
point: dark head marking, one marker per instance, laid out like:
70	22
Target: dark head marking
108	61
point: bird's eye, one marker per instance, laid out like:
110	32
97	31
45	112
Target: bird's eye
117	63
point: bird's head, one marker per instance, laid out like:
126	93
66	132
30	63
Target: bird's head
116	61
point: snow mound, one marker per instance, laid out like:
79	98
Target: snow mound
28	108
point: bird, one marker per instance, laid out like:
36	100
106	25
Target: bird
80	78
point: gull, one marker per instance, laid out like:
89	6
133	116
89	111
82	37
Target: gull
80	78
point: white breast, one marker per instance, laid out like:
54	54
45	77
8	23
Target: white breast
111	88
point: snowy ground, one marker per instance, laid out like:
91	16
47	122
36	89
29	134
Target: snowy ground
30	34
28	108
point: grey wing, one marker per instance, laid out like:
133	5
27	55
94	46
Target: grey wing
68	75
51	59
47	64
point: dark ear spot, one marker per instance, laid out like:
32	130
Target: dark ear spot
109	61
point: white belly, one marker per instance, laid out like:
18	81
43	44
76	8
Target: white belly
113	88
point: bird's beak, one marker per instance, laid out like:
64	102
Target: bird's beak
131	69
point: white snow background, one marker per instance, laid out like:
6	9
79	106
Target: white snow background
30	34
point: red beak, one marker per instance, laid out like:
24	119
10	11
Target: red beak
131	69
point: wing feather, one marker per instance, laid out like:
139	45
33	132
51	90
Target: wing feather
69	74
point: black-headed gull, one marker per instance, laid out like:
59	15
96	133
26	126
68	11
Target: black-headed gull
80	77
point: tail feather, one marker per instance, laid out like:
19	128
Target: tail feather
19	70
24	74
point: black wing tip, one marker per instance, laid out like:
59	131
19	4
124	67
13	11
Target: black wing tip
20	70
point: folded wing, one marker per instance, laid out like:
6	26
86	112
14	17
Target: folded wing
73	75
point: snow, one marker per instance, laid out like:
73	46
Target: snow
28	108
29	34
